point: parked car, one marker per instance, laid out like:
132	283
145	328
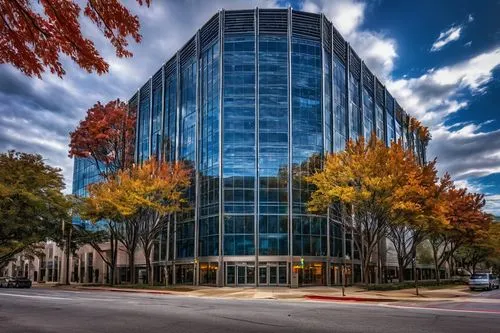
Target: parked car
15	282
487	281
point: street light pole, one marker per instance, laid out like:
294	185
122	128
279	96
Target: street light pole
414	262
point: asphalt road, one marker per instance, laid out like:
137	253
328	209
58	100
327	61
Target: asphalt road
48	310
481	303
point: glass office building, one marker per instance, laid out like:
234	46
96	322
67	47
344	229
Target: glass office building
247	102
85	173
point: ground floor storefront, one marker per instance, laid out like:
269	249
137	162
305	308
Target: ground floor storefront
281	271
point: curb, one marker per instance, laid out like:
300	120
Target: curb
120	290
348	298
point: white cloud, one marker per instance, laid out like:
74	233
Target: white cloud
346	15
375	48
436	94
493	204
470	18
463	149
446	37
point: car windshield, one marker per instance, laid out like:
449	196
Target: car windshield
479	276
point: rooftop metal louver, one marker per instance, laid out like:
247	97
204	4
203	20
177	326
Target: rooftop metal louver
354	64
389	102
327	34
367	79
339	45
379	93
157	80
210	31
145	91
188	51
306	25
132	103
273	21
170	67
399	113
238	21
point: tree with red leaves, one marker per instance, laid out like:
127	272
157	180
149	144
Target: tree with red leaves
32	38
467	223
106	136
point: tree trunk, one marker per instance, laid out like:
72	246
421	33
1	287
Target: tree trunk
114	274
147	255
131	265
401	268
435	250
111	278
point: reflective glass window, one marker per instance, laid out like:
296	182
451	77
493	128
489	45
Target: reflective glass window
170	119
239	139
354	108
339	104
368	114
209	153
144	119
379	114
185	223
273	145
156	121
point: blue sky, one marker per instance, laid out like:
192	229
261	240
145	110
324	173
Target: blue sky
441	59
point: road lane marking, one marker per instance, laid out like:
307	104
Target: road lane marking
439	309
32	296
58	298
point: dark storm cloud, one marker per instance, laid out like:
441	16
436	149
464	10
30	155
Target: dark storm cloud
37	115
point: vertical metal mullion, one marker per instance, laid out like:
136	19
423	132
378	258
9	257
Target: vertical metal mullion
290	187
160	158
394	119
384	113
257	110
197	141
361	103
220	277
137	120
150	116
347	81
177	150
325	149
374	96
332	79
322	101
162	118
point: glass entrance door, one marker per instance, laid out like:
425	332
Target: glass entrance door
263	275
240	273
272	274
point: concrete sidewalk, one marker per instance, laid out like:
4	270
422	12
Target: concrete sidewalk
356	294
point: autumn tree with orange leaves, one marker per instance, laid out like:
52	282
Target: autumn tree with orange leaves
361	186
466	224
34	34
377	192
146	196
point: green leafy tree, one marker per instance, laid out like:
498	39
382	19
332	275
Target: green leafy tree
32	205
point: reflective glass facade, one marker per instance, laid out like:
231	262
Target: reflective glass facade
248	103
85	173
